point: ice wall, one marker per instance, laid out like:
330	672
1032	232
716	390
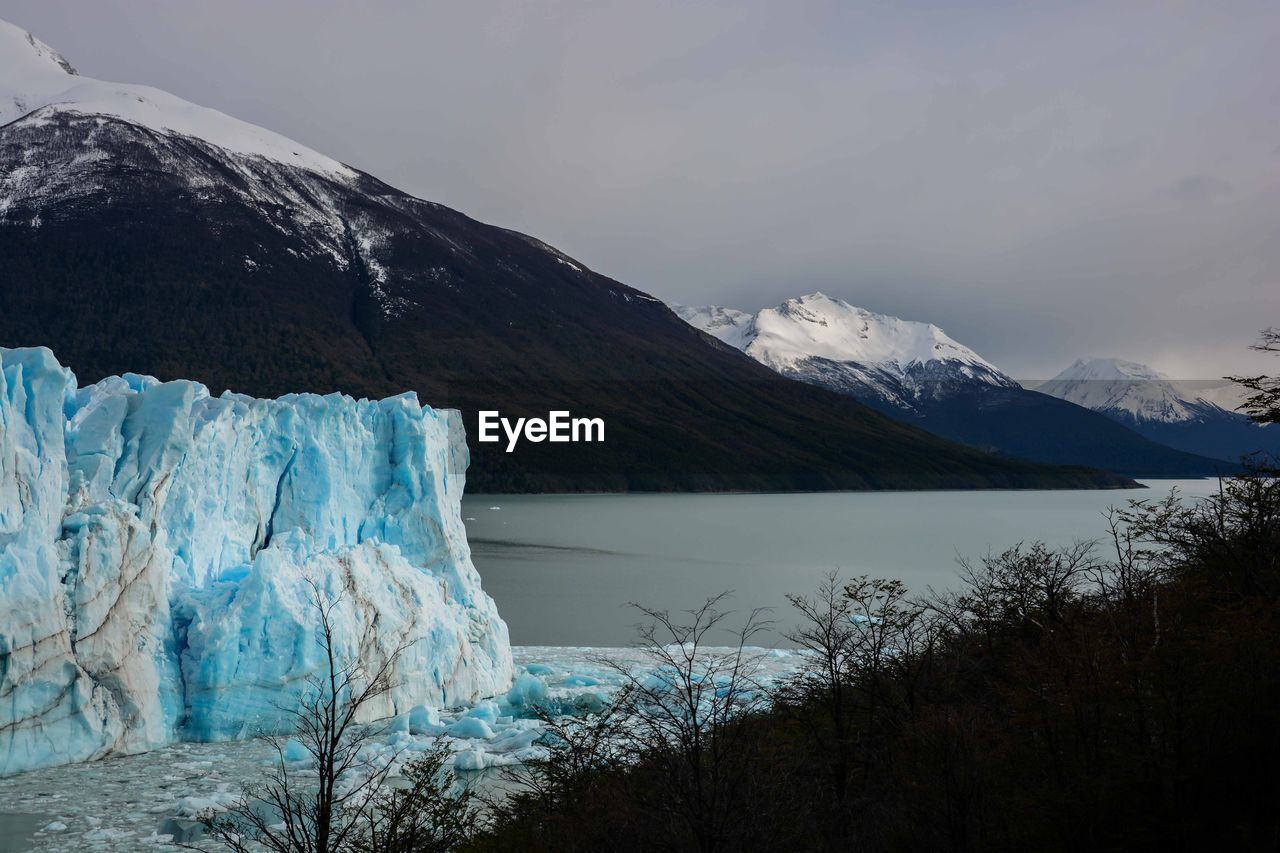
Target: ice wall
156	545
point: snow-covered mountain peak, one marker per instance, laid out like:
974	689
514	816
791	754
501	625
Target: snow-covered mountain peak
1124	387
37	83
29	68
23	53
821	326
1110	369
827	341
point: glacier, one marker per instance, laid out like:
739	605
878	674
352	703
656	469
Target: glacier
158	546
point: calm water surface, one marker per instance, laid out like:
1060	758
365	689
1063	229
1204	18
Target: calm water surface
563	567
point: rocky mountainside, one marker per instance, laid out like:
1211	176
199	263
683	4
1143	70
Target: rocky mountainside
917	373
143	233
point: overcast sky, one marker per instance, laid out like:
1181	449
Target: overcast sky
1073	179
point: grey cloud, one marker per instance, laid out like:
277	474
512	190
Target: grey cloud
1201	188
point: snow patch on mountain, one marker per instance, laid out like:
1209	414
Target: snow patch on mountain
729	325
827	341
368	244
158	546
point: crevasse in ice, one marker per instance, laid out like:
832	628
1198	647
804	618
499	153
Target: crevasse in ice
156	545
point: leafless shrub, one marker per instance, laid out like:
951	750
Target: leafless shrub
341	802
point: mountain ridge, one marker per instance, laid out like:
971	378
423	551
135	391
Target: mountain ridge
917	373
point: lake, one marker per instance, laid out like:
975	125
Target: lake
563	567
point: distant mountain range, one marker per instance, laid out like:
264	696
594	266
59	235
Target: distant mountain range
143	233
1185	415
915	372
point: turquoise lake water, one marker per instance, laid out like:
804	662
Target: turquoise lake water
563	567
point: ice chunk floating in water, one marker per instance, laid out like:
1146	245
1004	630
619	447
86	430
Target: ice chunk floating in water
155	544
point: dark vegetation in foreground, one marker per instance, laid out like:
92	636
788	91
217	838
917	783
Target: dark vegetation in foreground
1064	699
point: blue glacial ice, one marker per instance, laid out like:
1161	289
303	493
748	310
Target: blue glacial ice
155	548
